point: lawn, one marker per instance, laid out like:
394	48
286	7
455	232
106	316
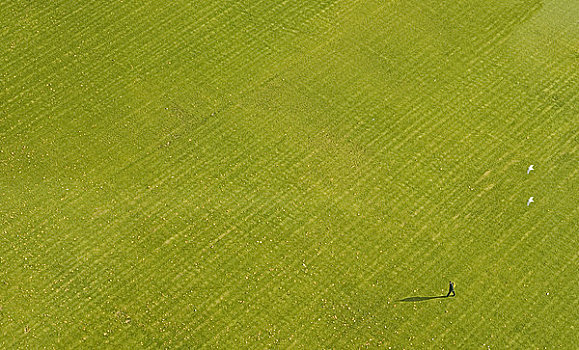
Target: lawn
289	174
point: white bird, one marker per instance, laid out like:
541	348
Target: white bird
530	169
530	201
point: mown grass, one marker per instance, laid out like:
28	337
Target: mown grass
283	174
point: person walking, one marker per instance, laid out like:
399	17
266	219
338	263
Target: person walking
451	290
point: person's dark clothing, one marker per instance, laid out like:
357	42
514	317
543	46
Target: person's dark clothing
451	290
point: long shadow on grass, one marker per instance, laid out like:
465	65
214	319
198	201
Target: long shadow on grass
415	299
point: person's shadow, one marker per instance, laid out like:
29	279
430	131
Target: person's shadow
415	299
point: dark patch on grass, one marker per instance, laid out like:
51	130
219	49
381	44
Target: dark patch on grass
415	299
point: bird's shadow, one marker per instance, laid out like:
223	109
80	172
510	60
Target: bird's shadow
415	299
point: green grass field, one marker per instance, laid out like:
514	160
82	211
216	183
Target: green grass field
281	174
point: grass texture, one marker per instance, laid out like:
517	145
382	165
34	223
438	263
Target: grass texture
289	174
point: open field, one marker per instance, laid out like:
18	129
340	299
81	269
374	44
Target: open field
281	174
